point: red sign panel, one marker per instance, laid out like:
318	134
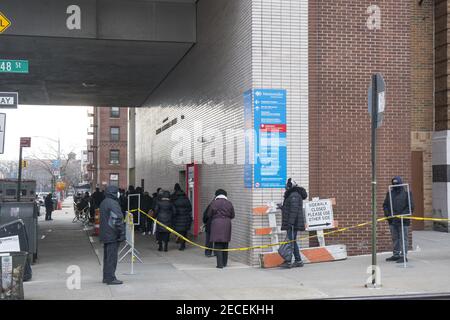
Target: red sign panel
25	142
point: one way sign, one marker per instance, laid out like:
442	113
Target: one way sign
9	100
319	215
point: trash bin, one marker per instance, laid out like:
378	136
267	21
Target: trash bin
18	228
12	266
27	212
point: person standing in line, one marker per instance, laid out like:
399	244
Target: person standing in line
221	212
48	207
400	206
164	213
183	217
207	224
97	197
146	206
112	233
293	219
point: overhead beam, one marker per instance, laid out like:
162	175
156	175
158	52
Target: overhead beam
139	20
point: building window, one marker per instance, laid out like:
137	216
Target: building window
114	179
115	133
114	156
115	112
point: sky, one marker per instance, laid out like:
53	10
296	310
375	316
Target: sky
44	124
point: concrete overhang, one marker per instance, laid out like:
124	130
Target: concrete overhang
94	52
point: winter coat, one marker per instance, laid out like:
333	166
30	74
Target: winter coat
220	213
292	210
97	198
183	217
164	213
112	226
48	203
146	203
400	204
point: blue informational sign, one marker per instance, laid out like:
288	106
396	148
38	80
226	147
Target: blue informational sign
270	145
56	164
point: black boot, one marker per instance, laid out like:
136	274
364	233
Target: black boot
160	248
182	246
219	260
165	246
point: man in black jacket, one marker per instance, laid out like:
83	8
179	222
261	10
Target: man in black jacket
112	233
400	206
293	219
48	207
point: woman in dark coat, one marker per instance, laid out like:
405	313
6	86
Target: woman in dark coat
220	213
293	219
183	218
164	213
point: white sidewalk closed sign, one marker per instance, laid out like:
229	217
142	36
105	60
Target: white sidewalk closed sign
319	215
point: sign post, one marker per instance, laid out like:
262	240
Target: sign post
24	143
376	101
2	132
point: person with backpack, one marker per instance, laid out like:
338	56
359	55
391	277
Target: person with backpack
293	219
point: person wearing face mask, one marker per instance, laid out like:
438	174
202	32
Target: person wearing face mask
400	206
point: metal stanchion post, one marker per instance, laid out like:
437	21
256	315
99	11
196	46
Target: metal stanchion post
403	242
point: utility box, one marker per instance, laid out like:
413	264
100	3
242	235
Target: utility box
28	213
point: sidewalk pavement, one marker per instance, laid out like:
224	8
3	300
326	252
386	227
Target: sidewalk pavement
179	275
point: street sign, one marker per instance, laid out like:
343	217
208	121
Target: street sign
2	132
56	164
4	22
319	215
381	99
14	66
9	100
25	142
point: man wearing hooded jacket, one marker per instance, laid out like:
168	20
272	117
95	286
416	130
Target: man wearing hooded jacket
400	206
293	219
112	233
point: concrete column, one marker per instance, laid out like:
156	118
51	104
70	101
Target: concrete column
441	136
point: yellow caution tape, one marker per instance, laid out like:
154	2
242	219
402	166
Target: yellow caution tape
283	242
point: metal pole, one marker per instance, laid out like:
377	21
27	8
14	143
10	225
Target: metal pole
403	243
19	178
374	176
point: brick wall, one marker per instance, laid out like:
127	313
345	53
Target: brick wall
343	54
105	122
